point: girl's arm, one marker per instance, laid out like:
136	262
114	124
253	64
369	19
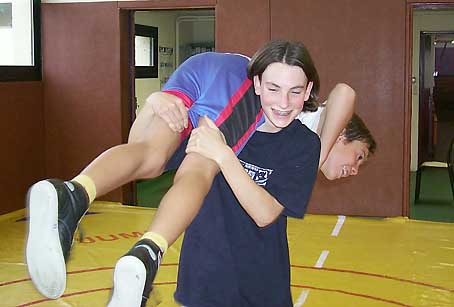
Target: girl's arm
338	111
261	206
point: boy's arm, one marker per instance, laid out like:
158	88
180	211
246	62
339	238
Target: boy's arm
339	109
261	206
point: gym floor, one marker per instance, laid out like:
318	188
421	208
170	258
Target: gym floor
336	260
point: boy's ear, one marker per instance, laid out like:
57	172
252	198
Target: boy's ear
257	85
342	137
307	94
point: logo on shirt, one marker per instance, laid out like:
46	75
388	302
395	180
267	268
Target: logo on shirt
258	174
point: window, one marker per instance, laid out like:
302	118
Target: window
20	56
146	51
6	15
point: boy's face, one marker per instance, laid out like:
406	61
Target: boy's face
344	159
283	91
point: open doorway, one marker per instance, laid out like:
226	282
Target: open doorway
436	92
432	110
180	34
443	93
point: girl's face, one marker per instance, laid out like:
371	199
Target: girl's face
344	159
283	91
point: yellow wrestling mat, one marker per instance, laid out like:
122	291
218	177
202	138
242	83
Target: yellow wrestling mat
336	261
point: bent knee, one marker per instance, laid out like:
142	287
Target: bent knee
154	162
141	126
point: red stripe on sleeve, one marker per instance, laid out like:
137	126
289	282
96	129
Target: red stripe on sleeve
186	100
188	103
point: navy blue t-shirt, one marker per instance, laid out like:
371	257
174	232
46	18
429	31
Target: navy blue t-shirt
226	259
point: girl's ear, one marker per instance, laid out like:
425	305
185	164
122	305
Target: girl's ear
257	85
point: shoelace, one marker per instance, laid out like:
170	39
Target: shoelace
81	233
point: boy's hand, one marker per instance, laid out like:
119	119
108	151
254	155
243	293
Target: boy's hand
171	109
208	141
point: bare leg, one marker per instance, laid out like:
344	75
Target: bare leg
151	144
54	202
182	202
135	272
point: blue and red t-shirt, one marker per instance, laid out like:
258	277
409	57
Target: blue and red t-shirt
216	85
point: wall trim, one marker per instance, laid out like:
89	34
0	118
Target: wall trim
75	1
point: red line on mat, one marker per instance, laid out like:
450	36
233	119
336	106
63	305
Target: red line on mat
86	292
174	283
13	282
354	294
297	286
375	275
74	272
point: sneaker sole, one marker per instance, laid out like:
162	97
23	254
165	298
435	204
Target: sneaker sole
45	260
129	281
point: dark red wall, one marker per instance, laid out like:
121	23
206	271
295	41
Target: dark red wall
81	85
242	26
22	149
361	43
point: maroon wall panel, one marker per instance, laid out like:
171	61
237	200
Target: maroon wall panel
242	26
81	84
361	43
168	4
22	151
